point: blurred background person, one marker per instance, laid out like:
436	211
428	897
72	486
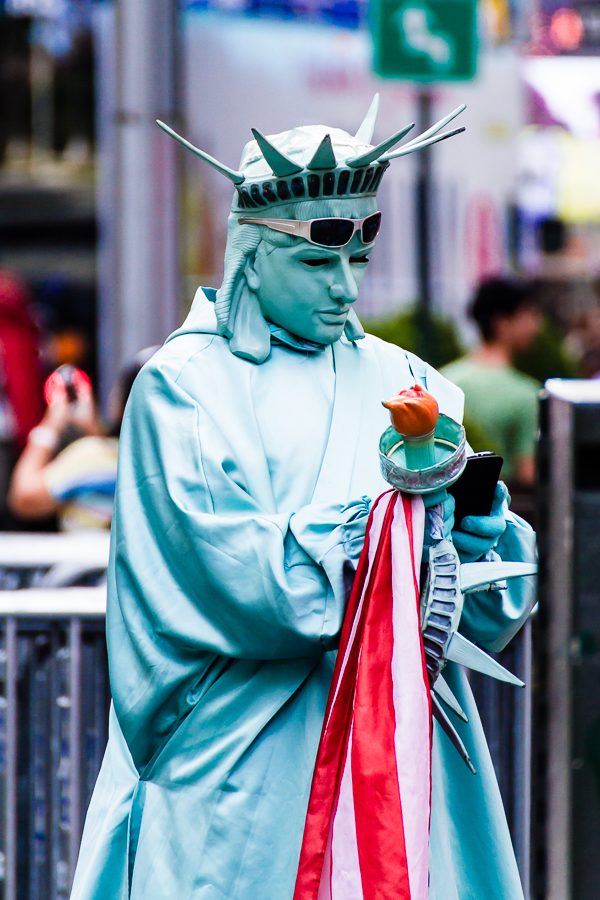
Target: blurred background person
583	338
75	482
20	376
502	400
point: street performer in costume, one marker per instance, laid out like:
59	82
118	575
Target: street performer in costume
248	471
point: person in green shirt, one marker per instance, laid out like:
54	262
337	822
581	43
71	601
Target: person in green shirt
501	401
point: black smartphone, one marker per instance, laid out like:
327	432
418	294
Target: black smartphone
474	491
67	373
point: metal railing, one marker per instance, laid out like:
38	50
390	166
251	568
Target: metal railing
52	560
506	715
54	700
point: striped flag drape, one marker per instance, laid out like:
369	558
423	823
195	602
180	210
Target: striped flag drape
366	835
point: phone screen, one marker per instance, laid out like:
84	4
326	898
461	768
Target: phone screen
474	491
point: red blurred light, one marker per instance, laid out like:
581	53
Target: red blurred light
566	29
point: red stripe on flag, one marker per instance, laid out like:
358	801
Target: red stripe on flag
333	745
351	608
379	823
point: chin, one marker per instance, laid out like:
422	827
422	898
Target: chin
328	335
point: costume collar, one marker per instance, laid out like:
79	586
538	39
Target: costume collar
281	336
202	319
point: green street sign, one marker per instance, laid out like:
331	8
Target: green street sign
425	40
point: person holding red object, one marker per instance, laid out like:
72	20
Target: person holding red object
77	481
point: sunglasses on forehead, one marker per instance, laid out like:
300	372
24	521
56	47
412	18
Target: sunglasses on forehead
324	232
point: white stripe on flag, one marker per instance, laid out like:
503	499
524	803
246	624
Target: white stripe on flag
325	883
345	880
412	735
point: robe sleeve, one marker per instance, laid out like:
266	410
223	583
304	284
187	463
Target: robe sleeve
492	618
198	563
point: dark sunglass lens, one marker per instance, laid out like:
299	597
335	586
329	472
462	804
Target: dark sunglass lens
370	228
331	232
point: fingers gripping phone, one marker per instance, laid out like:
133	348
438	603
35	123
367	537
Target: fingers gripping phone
67	383
474	491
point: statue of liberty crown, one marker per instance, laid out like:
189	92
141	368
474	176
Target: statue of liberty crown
313	162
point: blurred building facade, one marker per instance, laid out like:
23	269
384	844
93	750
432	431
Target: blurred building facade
83	168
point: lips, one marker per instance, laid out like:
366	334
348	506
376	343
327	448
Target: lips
338	313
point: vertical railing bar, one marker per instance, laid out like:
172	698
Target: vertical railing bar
525	776
75	674
518	751
520	762
12	666
54	756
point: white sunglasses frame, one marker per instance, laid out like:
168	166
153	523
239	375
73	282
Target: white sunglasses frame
301	227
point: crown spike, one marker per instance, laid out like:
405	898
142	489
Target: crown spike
324	157
236	177
365	159
451	731
478	574
462	651
442	689
367	127
420	145
437	126
279	163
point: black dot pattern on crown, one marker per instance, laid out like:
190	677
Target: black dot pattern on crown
356	180
297	187
314	185
328	183
377	179
344	178
339	183
366	182
255	193
268	194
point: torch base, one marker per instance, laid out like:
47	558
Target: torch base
449	455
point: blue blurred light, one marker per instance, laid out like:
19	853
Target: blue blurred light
343	13
46	9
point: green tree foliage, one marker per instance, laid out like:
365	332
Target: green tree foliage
432	337
477	436
548	357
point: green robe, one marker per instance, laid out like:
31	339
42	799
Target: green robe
242	498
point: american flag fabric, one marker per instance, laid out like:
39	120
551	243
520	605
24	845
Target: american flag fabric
366	835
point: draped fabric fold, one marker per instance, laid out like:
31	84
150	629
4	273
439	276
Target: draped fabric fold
367	826
239	521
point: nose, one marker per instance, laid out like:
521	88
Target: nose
344	286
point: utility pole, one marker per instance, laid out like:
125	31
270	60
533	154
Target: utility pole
138	180
423	203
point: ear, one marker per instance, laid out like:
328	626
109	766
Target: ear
252	276
250	334
241	246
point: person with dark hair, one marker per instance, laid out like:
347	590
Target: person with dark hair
552	235
76	482
500	399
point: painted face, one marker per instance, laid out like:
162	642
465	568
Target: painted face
309	290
